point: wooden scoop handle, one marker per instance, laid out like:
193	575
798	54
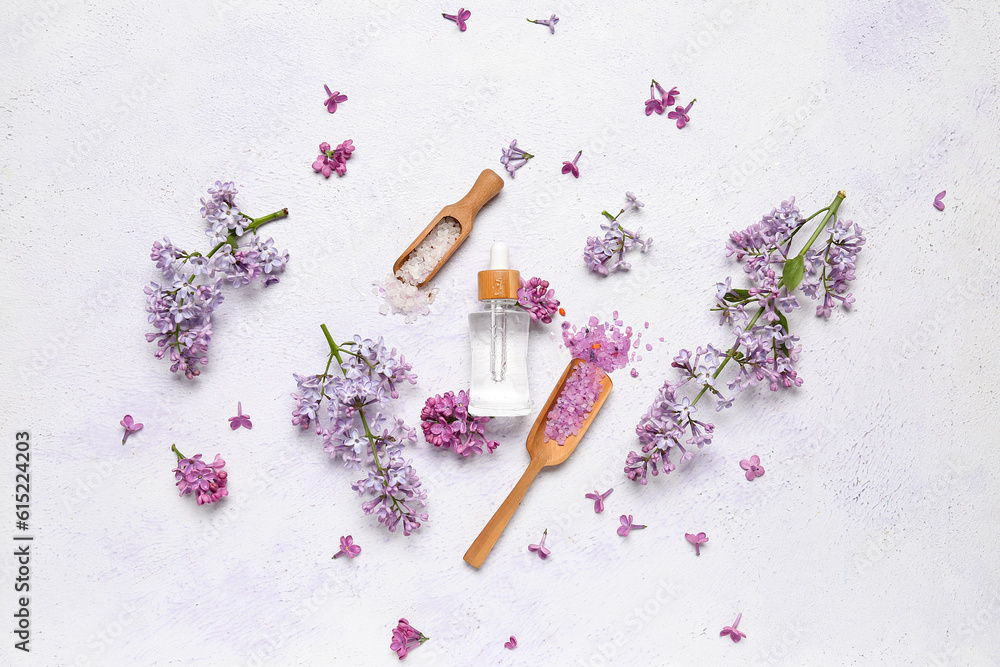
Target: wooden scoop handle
481	548
485	188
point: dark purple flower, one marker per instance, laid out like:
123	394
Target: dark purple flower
539	548
460	18
681	114
348	547
405	637
333	99
335	160
207	481
731	630
446	423
571	168
938	204
131	426
697	541
240	419
536	298
598	499
627	525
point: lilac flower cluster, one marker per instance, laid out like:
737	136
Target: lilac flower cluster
207	481
606	254
361	431
536	298
514	158
446	423
405	637
575	402
333	160
603	344
180	309
764	349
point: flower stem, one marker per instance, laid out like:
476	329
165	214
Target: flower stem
260	222
174	449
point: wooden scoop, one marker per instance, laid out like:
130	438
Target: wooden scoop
543	453
463	212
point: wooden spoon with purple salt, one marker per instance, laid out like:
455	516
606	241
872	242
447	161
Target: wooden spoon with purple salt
435	245
587	378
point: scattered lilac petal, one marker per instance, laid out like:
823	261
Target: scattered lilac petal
697	541
240	419
752	467
131	426
543	553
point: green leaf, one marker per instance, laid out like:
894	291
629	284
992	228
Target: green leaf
737	295
794	272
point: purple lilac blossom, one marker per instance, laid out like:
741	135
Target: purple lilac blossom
207	481
361	431
180	307
536	298
446	423
764	350
606	254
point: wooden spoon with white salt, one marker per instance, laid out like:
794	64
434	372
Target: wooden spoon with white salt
463	212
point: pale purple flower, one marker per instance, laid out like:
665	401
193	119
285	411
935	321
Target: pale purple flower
607	254
510	645
627	525
938	204
598	499
571	168
633	202
333	98
180	308
752	467
550	22
361	431
732	631
681	114
536	298
697	541
240	419
131	426
405	638
348	547
539	548
460	18
514	158
207	481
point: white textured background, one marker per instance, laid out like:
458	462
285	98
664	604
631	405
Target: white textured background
871	539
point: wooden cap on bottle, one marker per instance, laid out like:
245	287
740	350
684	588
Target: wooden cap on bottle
499	284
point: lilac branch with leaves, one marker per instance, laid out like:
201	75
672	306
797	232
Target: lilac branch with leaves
764	349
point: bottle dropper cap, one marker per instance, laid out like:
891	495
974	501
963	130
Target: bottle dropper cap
499	281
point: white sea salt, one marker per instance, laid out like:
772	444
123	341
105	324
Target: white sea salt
400	293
